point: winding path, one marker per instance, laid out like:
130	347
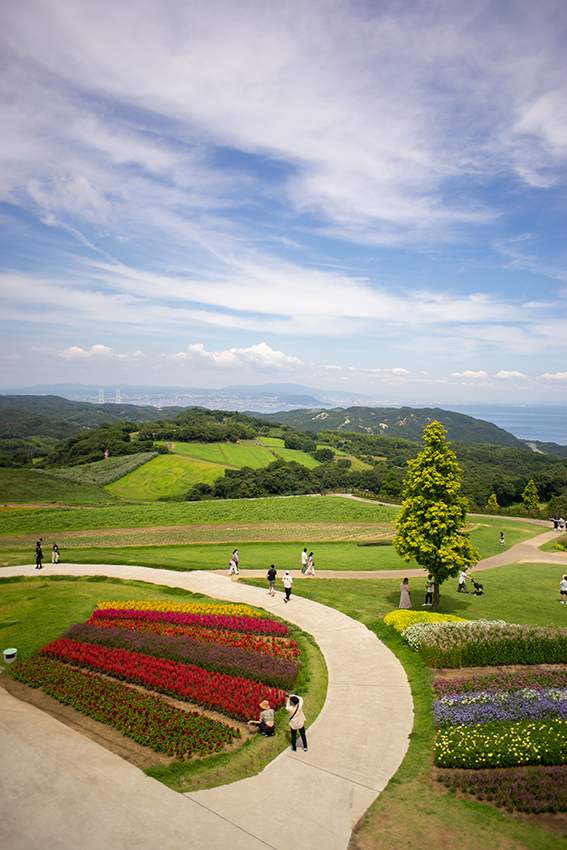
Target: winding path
61	791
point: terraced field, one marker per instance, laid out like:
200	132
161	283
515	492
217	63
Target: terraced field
166	475
227	454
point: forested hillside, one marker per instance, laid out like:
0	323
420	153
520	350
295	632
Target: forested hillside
307	462
406	423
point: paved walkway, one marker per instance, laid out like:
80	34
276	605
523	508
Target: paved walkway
521	553
61	791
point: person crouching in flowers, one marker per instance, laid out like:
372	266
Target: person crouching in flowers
265	722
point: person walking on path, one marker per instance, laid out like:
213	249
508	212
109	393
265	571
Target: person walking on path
502	541
265	722
310	565
428	591
55	553
288	584
235	559
304	559
294	705
405	601
271	576
233	567
563	589
38	555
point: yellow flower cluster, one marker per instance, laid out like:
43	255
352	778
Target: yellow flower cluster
231	609
473	747
401	619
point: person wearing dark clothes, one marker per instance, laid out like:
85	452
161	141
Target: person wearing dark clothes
294	705
38	555
271	576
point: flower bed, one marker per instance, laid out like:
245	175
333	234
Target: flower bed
403	618
481	707
502	744
236	661
236	623
494	724
228	608
480	643
234	696
145	718
281	647
533	789
533	679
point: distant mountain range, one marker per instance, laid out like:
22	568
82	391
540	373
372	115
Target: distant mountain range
49	418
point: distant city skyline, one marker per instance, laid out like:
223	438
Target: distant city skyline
351	196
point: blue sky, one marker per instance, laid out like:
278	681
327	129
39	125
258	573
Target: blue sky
350	195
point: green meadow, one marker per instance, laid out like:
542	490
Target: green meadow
226	454
165	475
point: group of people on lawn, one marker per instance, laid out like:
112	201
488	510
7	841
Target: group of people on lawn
307	568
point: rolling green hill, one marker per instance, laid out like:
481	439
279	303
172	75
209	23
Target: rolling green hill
405	423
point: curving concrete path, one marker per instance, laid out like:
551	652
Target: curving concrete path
61	791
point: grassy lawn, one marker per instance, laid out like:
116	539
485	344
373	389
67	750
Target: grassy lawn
227	454
26	486
34	611
293	509
166	475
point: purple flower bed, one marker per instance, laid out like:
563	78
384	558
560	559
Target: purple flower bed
468	709
240	623
534	789
534	680
234	661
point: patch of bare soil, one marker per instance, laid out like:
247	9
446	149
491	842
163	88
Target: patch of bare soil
107	737
555	823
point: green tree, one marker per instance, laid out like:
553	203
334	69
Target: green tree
530	497
492	504
431	522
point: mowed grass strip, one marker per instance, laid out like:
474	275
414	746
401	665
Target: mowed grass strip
166	475
281	510
226	454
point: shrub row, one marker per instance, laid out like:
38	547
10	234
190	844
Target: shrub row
481	643
404	618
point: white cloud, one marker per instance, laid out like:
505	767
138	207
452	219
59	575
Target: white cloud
256	357
557	376
469	374
94	355
503	373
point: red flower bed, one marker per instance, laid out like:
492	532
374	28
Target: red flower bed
143	717
234	696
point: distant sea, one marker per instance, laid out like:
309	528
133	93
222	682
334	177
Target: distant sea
548	424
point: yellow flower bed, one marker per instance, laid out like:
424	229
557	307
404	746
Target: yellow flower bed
401	619
229	608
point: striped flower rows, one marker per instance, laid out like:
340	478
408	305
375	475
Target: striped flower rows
235	623
234	660
505	721
234	696
147	719
278	646
228	608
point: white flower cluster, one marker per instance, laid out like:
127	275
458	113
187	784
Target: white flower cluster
446	633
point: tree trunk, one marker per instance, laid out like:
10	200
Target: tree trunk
436	587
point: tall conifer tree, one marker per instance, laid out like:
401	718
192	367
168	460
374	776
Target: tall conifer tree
430	526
